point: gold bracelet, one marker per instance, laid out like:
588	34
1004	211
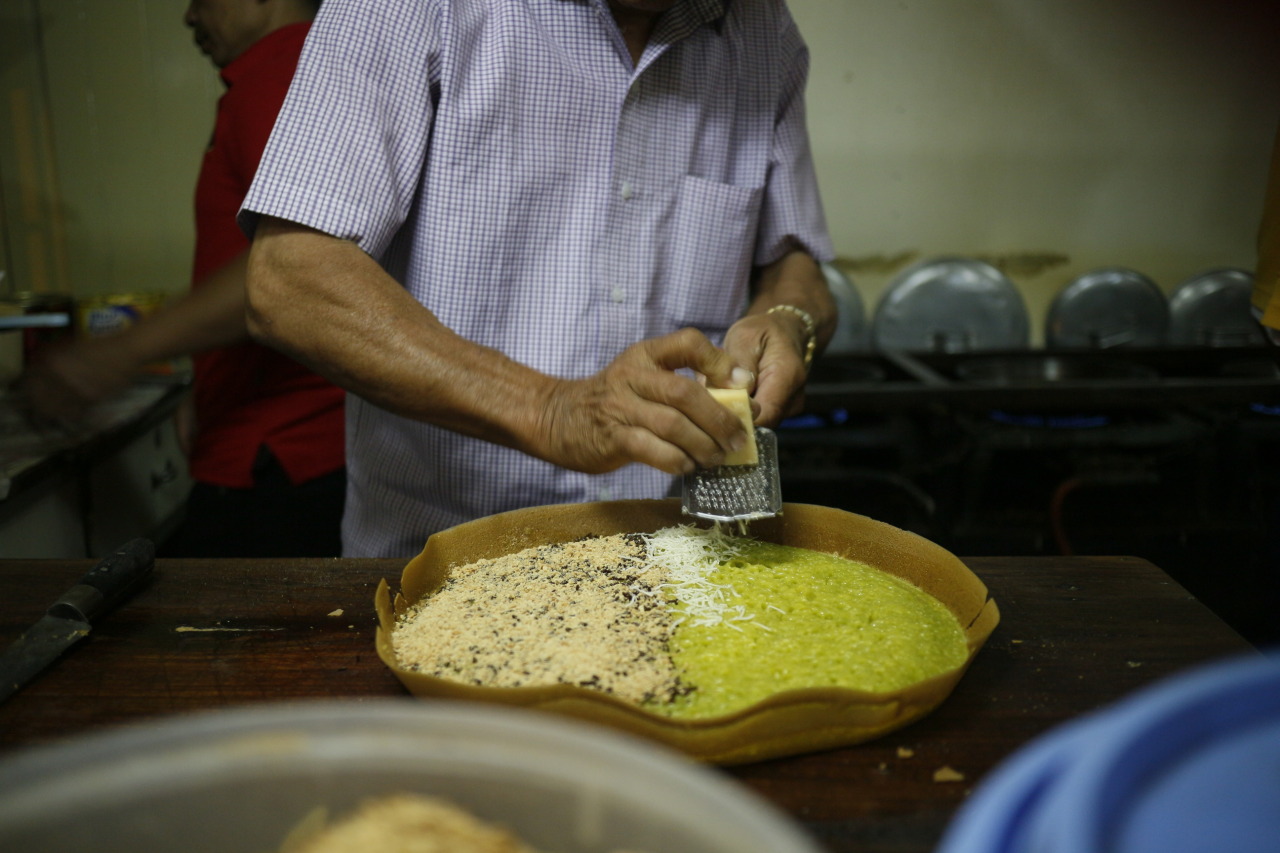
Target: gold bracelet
810	330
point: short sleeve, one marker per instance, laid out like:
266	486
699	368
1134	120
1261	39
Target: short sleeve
792	207
347	151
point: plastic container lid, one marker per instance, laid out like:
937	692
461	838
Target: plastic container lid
851	325
1189	764
238	781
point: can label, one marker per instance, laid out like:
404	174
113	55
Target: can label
115	312
109	318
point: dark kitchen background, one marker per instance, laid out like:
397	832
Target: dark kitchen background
1008	184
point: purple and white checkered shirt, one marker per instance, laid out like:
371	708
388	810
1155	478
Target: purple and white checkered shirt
541	195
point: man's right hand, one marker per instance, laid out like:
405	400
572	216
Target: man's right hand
638	409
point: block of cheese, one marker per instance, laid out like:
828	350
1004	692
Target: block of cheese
738	402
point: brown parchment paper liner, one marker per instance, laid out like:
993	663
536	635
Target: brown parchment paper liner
787	723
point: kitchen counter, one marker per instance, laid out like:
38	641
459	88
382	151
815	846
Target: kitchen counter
1076	633
75	492
27	455
1046	380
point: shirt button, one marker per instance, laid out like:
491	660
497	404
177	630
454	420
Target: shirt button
617	294
626	191
606	494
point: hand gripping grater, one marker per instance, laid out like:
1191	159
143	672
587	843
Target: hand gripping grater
736	492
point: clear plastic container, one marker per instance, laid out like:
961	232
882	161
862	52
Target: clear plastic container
238	781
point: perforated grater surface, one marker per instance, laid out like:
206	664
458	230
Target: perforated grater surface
736	492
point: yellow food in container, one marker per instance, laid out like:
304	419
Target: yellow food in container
807	619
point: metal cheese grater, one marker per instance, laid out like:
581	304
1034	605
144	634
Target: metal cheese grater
737	492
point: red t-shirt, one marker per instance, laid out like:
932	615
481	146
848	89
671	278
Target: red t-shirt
249	395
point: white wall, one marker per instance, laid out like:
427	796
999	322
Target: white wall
129	102
133	104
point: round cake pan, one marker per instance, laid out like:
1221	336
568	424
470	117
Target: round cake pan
787	723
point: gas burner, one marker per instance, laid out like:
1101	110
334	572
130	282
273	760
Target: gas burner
847	370
1037	369
814	420
1050	421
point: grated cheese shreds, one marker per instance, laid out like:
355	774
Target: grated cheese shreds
687	556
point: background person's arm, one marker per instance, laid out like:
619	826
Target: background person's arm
69	378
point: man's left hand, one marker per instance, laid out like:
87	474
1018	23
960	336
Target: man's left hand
772	344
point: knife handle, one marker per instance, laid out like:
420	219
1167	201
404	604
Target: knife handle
108	583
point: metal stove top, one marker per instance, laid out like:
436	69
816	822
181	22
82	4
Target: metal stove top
1045	380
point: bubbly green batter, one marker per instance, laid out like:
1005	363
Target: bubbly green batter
810	620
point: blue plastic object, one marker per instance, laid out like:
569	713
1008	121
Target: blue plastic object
1189	764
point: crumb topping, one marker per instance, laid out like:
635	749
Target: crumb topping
588	612
408	823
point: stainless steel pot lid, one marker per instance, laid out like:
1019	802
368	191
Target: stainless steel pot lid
851	327
950	305
1106	308
1212	308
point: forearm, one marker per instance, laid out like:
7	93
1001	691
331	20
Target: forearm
796	279
71	377
329	305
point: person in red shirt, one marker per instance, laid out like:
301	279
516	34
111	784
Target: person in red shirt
266	451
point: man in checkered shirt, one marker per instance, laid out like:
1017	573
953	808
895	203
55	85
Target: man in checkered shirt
516	230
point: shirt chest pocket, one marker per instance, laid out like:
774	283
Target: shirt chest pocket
710	246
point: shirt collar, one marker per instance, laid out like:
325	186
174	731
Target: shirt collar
700	11
684	17
261	52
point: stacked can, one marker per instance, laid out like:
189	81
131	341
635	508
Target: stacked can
47	317
114	312
110	313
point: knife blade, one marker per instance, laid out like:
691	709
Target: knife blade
70	618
